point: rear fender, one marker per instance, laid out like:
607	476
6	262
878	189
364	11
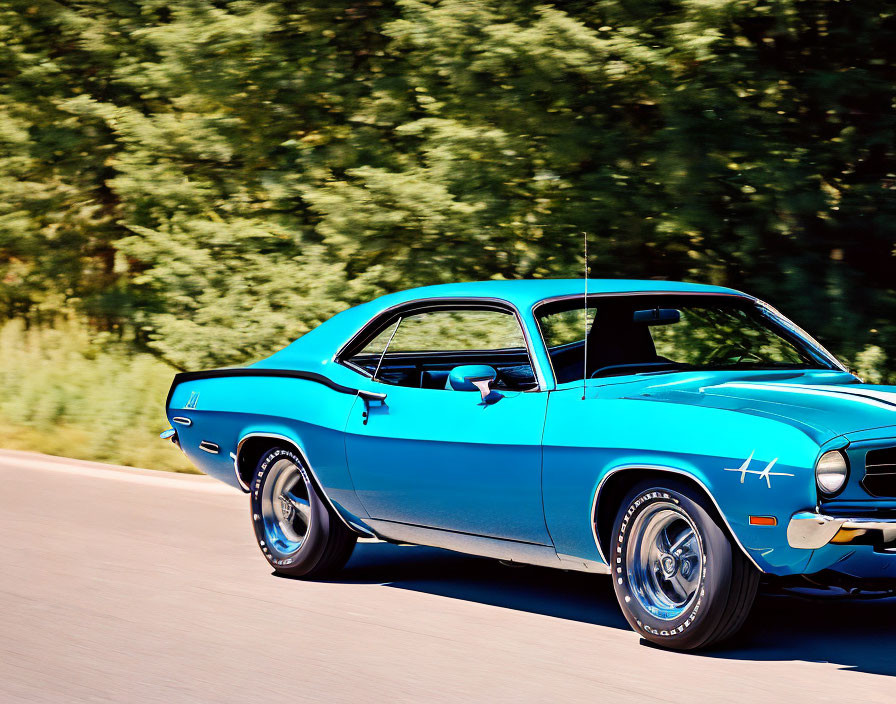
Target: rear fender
227	406
249	449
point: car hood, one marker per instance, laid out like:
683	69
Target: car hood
822	404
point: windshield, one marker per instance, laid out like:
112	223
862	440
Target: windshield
654	334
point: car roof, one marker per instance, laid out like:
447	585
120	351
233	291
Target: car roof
524	293
319	345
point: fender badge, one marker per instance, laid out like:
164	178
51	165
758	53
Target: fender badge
194	400
766	473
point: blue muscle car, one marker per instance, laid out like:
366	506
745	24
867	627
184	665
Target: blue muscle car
684	439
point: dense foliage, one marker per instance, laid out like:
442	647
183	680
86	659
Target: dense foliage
212	178
89	397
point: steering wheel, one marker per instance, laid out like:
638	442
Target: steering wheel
733	352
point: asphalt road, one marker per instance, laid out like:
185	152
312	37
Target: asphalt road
138	586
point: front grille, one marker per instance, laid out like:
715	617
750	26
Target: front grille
880	472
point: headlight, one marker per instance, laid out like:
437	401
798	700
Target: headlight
831	472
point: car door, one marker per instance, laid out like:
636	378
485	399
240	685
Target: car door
448	459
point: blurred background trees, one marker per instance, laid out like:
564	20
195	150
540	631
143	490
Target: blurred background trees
204	181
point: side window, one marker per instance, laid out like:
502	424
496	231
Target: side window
565	327
444	331
563	332
420	348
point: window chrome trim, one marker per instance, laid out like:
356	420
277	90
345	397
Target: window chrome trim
670	470
386	348
422	304
355	528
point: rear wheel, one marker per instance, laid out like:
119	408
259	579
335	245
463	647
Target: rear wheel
295	529
680	581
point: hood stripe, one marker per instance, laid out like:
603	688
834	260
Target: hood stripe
879	399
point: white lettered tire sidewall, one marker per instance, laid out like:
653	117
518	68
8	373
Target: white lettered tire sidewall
309	552
700	620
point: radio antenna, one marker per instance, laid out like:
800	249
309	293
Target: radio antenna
585	311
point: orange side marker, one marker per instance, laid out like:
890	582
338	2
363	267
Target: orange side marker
763	521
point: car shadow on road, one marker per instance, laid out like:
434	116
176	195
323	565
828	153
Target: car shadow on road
568	595
854	634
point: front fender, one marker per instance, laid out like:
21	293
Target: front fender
765	546
747	465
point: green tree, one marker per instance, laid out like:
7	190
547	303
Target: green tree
217	177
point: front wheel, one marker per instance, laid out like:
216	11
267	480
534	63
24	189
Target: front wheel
680	581
295	529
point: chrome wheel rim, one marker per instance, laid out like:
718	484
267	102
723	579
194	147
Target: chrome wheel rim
285	508
664	559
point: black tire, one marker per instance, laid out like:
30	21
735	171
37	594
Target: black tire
721	599
326	544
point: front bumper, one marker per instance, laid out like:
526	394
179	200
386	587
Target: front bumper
810	531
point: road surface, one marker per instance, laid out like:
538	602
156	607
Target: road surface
138	586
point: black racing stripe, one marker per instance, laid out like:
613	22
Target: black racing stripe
259	372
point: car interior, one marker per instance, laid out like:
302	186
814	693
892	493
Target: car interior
630	342
430	370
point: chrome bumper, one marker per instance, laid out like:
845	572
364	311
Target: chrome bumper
810	531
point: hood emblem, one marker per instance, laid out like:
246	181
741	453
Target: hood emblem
766	473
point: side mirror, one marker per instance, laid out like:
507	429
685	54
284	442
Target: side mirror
472	377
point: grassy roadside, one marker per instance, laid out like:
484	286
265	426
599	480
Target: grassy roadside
68	393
